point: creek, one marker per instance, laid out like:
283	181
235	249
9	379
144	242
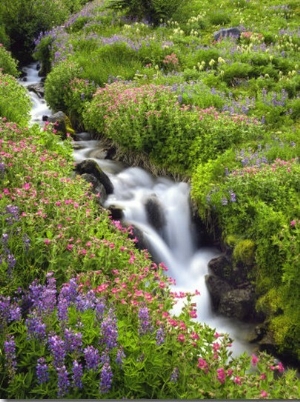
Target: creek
173	242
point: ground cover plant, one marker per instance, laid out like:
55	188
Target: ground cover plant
84	314
87	316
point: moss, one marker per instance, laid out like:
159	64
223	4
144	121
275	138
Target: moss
244	251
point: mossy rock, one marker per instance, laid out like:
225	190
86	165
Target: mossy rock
244	252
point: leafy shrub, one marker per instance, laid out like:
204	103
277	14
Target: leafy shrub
58	82
8	65
15	104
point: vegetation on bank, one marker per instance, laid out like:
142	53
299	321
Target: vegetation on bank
84	314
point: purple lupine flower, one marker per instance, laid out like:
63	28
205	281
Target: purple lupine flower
63	382
62	309
232	196
4	309
57	349
105	357
99	308
4	238
120	356
14	313
144	321
92	357
105	378
10	355
11	261
2	168
174	375
160	336
13	211
36	329
69	291
73	340
86	301
110	330
77	374
42	371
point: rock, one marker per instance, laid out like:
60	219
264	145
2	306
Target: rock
83	136
238	303
227	33
38	89
61	123
91	167
97	187
155	213
221	267
136	233
116	213
216	287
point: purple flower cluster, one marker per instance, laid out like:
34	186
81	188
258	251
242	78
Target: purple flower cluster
92	358
86	301
42	371
57	349
36	329
175	375
73	341
110	330
13	212
8	312
44	297
63	382
160	336
144	321
120	357
10	355
77	371
106	377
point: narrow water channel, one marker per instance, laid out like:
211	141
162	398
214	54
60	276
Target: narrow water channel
171	242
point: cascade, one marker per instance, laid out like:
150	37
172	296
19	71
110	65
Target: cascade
173	241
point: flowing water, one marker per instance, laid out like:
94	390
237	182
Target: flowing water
173	242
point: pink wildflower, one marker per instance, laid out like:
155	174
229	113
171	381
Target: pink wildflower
254	360
264	394
221	376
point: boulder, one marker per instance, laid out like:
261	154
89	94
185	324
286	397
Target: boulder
237	303
216	287
97	187
155	213
234	33
38	89
61	123
91	167
221	266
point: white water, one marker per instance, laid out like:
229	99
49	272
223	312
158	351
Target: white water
172	244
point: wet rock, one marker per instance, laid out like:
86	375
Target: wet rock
216	287
38	89
237	303
83	136
116	213
155	212
221	266
91	167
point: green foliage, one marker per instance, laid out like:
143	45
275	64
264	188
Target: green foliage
15	104
154	11
25	19
8	65
58	82
244	251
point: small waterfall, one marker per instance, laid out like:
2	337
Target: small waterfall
160	208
